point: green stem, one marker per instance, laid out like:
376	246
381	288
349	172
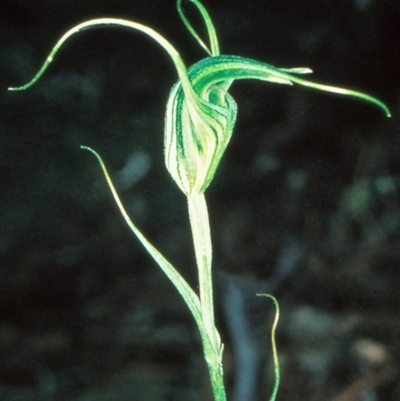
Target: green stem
200	226
202	310
217	382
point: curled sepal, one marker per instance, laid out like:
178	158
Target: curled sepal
199	122
212	35
172	52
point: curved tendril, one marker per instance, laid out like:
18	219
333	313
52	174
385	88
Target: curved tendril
212	35
273	344
173	53
342	91
213	70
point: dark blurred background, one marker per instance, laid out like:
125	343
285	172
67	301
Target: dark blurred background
305	204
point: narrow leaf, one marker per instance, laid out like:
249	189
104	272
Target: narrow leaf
190	297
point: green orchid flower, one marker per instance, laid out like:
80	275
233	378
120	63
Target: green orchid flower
201	114
199	122
199	126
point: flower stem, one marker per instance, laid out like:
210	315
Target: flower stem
199	222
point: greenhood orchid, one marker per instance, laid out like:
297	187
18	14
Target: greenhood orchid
201	114
199	121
